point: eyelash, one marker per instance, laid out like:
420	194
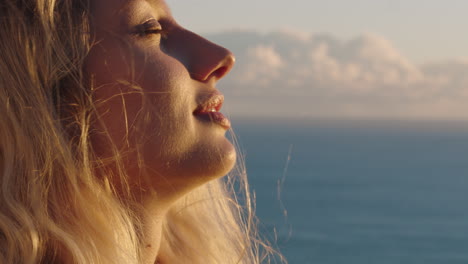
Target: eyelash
150	27
153	31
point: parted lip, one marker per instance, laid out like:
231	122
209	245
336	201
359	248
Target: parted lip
211	103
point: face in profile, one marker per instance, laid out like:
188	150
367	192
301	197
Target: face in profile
154	85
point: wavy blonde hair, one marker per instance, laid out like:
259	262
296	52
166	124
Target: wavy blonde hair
53	208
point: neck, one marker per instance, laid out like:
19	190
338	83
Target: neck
151	241
152	215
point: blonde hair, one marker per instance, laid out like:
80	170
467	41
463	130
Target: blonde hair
53	208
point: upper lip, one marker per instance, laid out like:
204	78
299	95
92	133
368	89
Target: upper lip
211	103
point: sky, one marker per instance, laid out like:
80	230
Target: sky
423	30
370	59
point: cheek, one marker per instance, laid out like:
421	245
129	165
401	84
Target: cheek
151	86
169	125
109	62
153	117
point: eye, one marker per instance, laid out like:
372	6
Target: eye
150	27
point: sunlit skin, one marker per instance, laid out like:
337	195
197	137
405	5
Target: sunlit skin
149	76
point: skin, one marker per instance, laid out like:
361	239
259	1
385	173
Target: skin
149	75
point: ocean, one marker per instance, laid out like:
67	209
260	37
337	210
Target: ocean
360	192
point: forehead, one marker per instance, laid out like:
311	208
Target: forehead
118	11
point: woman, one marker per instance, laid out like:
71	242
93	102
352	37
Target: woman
111	141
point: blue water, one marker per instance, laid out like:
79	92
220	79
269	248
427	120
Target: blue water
377	192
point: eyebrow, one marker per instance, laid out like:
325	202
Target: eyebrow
157	4
133	12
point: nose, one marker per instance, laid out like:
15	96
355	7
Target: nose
204	60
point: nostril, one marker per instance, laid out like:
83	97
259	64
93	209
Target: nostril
220	72
225	66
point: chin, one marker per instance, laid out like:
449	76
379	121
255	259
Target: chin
227	161
207	161
213	164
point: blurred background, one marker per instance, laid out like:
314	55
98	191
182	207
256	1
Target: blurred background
353	119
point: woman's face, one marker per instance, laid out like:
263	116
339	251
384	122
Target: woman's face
155	90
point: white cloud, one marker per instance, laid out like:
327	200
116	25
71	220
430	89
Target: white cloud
262	67
290	73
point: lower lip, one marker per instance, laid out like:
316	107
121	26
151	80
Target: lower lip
215	117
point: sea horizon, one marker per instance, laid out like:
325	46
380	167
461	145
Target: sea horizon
360	191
